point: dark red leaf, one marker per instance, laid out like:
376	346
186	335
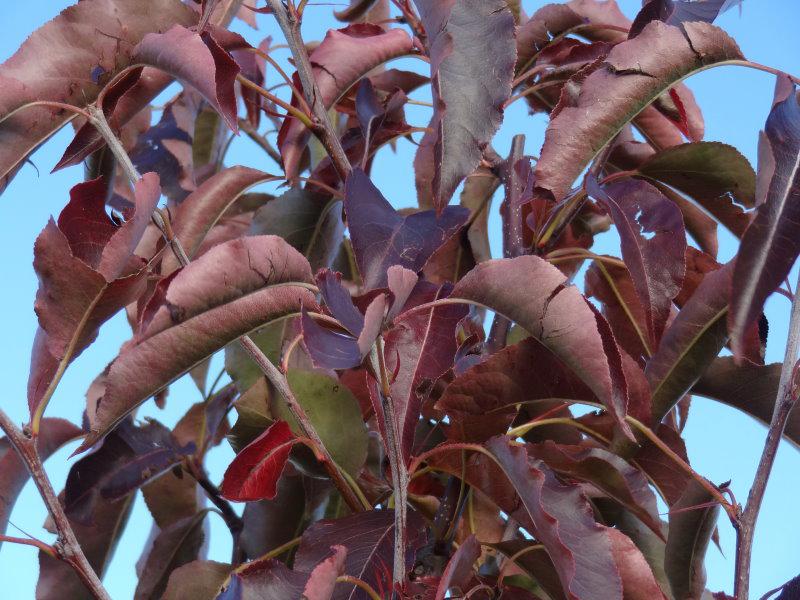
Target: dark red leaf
254	473
382	237
638	581
675	12
458	571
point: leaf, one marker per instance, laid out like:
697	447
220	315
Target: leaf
76	73
771	244
691	342
638	581
418	349
546	24
482	402
327	348
638	70
343	57
334	413
750	388
535	295
54	433
199	580
557	515
653	245
339	302
714	175
472	53
310	222
87	272
254	473
458	571
648	543
356	10
232	289
197	59
98	540
608	472
322	579
196	215
691	524
369	540
381	237
175	546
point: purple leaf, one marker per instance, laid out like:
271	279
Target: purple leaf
675	12
472	53
382	237
339	302
327	348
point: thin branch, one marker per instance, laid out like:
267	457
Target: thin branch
259	139
360	583
784	402
66	547
46	548
289	23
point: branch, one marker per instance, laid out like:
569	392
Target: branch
275	376
289	23
513	233
66	547
784	402
397	465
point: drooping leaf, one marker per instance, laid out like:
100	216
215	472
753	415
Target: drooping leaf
691	342
536	295
382	237
199	580
254	473
87	272
653	244
202	209
771	244
334	413
418	349
750	388
343	57
638	70
648	543
78	70
482	402
714	175
557	515
327	348
53	434
472	53
197	59
369	540
175	546
608	472
231	290
550	21
692	521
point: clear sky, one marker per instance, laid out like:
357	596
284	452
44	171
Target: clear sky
723	444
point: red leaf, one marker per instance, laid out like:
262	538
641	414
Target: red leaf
254	473
459	571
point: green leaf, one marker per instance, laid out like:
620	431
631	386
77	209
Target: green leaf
334	412
198	580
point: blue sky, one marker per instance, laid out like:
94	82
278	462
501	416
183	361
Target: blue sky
723	444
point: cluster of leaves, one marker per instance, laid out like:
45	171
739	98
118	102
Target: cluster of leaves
374	316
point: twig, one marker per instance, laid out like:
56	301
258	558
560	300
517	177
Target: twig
66	547
46	548
289	23
232	520
784	402
272	373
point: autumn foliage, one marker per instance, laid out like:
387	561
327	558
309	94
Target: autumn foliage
402	404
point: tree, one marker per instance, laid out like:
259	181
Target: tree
386	445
